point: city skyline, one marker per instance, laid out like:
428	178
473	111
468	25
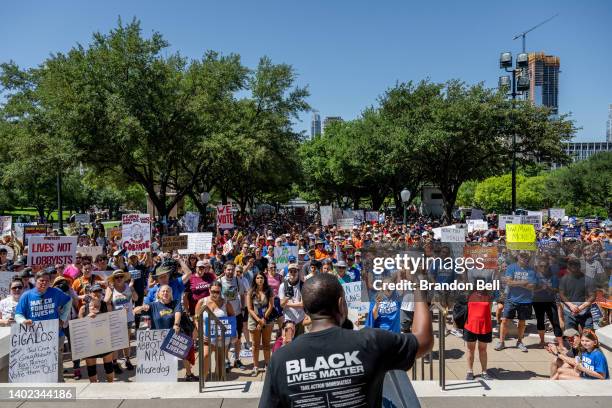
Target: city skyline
357	51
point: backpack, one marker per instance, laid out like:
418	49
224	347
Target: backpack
460	313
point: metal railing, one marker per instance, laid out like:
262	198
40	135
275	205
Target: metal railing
218	348
442	314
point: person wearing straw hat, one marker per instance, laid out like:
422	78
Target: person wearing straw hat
122	295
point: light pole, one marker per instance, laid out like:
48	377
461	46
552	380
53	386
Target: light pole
60	214
205	197
514	85
405	195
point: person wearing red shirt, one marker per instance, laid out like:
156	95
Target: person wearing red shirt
198	286
478	328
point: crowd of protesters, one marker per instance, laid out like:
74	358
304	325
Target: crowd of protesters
566	282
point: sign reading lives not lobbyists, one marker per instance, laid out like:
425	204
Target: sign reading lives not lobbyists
136	233
225	218
51	250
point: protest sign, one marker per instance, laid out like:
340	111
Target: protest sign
534	219
10	252
33	231
136	233
177	344
508	219
100	335
556	213
372	216
487	255
451	234
197	243
345	224
33	352
229	323
358	217
327	217
228	247
337	212
352	293
520	236
477	225
51	250
171	243
591	223
225	217
347	213
92	251
282	254
191	219
81	218
437	232
154	365
476	214
6	224
571	232
114	233
5	284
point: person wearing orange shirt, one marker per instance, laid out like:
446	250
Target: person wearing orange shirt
320	252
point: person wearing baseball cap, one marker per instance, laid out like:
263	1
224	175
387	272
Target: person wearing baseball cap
343	277
198	286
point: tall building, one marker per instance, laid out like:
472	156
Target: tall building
544	80
583	150
330	119
609	125
315	125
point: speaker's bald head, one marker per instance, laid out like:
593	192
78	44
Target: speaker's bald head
320	296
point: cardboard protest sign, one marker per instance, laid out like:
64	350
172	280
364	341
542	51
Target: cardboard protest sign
327	217
372	216
556	213
5	284
81	218
33	231
33	353
197	243
92	251
136	233
92	336
533	219
154	365
345	224
225	217
352	293
51	250
229	323
508	219
282	254
177	345
10	252
520	236
477	225
6	224
451	234
488	255
191	219
171	243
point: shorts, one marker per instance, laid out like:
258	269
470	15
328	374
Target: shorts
239	324
252	324
471	337
522	310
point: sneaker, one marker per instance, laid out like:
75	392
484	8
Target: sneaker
117	369
499	346
192	378
238	364
469	376
457	333
77	374
228	366
129	365
485	376
521	346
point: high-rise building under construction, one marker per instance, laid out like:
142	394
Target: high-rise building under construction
544	80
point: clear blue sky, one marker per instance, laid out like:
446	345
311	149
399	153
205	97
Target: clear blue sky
349	52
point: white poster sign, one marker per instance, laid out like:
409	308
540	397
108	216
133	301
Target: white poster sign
92	251
508	219
535	219
33	352
99	335
5	284
437	233
197	243
556	213
477	225
282	254
192	219
228	247
345	224
358	217
327	217
136	233
51	250
451	234
6	223
81	218
372	216
225	217
154	365
352	293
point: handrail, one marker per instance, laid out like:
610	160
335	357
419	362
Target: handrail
442	313
219	348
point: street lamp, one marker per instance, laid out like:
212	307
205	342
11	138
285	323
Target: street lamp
205	197
514	85
405	195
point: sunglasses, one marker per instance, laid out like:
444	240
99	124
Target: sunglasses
215	292
17	288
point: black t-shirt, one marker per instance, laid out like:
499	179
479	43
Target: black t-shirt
336	367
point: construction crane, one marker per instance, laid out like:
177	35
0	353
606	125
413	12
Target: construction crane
524	33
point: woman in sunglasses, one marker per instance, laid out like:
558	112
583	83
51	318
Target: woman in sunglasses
8	305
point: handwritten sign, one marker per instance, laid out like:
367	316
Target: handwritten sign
197	243
477	225
352	294
453	234
33	354
508	219
51	250
154	365
327	217
225	217
345	224
534	219
177	344
556	213
6	224
520	236
99	335
229	323
136	233
171	243
282	254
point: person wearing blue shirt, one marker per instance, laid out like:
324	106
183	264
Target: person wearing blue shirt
45	303
384	314
162	276
591	363
520	280
354	270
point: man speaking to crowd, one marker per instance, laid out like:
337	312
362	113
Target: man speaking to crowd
332	366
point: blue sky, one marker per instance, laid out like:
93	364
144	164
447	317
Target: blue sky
349	52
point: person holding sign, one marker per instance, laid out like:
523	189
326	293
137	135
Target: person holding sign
260	302
45	303
122	296
220	308
93	305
